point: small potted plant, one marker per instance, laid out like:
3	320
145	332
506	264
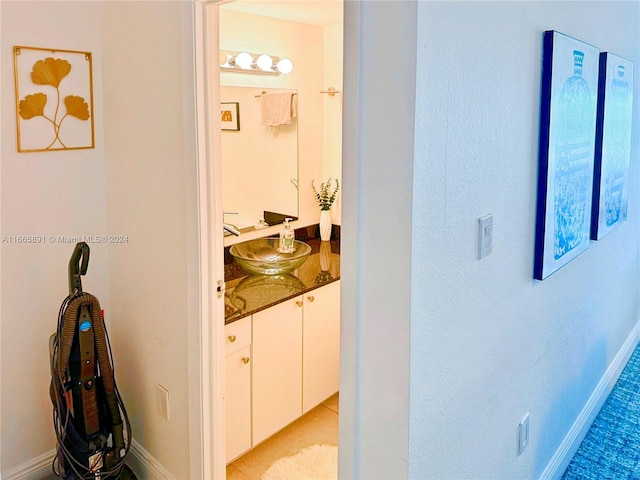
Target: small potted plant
325	195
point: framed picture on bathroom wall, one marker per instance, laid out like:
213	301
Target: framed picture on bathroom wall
613	145
230	115
566	151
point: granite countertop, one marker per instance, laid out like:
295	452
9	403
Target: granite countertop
247	294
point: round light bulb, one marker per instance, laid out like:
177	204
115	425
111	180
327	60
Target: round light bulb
244	60
264	62
285	66
225	60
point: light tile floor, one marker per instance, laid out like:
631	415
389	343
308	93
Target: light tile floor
319	425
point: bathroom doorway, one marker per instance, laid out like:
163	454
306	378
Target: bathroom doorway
371	444
310	35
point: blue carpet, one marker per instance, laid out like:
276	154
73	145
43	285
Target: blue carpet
611	449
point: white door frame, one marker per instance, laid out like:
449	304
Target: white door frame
207	427
368	445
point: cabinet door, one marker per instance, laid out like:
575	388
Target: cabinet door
277	368
237	402
321	345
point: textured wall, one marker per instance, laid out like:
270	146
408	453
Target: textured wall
47	194
488	343
138	182
150	174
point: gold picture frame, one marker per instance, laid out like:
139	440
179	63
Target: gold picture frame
54	99
230	115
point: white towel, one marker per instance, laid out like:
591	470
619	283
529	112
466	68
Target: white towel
278	108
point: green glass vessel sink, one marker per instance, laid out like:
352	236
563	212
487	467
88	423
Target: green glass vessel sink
263	257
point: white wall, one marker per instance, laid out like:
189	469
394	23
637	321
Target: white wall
46	194
375	261
139	182
151	197
488	343
332	111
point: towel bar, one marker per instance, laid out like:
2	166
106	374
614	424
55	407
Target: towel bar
330	91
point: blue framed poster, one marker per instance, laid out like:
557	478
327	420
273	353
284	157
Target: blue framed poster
566	151
613	145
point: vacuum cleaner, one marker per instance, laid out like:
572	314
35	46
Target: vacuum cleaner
91	424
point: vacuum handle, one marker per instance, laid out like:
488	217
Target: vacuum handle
78	266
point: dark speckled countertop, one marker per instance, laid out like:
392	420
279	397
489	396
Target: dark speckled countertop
247	294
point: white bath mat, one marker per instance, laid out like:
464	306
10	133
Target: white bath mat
317	462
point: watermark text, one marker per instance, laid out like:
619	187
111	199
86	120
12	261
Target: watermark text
65	239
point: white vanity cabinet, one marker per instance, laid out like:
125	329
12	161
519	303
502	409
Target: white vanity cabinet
238	387
320	345
294	365
277	368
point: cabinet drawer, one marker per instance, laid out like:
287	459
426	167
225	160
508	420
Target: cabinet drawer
237	335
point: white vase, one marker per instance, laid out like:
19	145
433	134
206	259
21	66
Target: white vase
325	256
325	225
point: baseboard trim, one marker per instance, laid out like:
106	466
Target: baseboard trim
38	468
143	464
567	449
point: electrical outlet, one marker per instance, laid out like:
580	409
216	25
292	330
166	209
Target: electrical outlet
523	434
163	401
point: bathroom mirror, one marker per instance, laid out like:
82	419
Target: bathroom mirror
259	163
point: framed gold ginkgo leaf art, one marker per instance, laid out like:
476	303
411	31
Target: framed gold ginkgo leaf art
54	99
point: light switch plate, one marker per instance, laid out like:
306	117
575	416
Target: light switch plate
485	236
163	401
523	434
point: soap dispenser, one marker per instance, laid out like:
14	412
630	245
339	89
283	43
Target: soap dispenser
286	237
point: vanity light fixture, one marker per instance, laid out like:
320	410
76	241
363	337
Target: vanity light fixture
261	64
